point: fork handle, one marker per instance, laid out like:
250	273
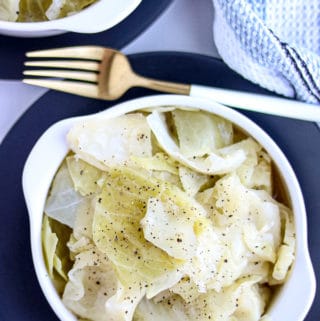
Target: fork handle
259	103
164	86
241	100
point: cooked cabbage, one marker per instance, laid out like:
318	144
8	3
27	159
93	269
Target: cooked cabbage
111	142
49	241
166	227
172	218
200	133
87	179
212	163
92	281
62	8
239	302
33	10
172	309
63	201
9	10
54	242
191	180
285	254
158	162
40	10
117	231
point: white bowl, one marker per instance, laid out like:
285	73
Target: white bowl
100	16
295	296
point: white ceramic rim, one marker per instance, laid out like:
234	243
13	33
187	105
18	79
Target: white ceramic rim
100	16
296	295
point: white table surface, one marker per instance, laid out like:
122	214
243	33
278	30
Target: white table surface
185	26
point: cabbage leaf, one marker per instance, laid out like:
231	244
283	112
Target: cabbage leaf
160	166
158	162
87	179
191	180
49	242
255	171
9	10
121	306
40	10
54	239
63	8
172	309
33	10
92	281
165	226
105	143
213	163
117	231
184	233
201	133
247	222
285	255
240	302
63	201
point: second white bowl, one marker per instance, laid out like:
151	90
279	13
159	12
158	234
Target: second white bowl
100	16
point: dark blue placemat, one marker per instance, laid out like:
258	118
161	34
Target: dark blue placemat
12	50
20	294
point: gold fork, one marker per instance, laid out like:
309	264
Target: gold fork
104	73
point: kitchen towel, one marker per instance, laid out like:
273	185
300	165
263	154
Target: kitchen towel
275	43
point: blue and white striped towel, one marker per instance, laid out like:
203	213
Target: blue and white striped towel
275	43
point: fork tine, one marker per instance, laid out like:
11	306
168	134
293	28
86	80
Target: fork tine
72	87
84	52
68	64
70	74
